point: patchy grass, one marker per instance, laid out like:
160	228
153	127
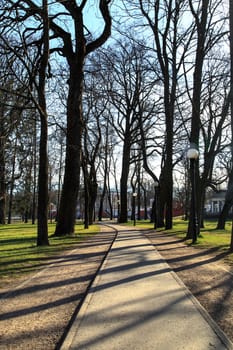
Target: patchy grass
142	224
19	253
212	238
209	237
179	225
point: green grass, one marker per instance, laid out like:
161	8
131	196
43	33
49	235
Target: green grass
210	237
19	253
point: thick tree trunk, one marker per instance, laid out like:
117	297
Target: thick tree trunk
124	182
196	103
223	215
75	52
42	212
168	188
68	202
87	202
2	181
93	196
43	197
231	101
169	98
34	185
12	184
124	198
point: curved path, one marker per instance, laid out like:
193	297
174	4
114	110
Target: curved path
137	302
35	309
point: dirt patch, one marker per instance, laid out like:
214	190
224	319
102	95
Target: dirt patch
35	312
204	272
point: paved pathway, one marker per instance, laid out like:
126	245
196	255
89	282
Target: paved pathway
137	302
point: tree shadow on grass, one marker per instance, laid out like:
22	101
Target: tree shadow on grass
33	264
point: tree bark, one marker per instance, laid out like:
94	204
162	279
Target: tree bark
67	209
231	101
43	196
123	218
2	181
196	102
75	57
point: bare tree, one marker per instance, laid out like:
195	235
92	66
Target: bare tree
231	100
125	80
43	196
75	52
163	18
19	41
214	130
204	14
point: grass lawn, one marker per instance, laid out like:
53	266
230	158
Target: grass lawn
19	253
209	236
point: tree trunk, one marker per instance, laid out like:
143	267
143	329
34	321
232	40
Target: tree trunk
2	181
231	53
169	197
43	197
161	199
42	211
67	209
101	205
123	218
139	191
12	183
196	103
145	203
75	58
110	204
87	201
231	244
92	200
169	98
34	175
223	215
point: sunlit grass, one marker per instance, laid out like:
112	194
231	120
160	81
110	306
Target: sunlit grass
143	224
209	236
19	253
146	224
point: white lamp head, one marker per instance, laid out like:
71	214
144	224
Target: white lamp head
192	152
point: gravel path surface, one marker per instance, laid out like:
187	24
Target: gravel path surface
204	272
36	312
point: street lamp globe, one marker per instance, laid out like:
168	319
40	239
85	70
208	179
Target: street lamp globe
192	153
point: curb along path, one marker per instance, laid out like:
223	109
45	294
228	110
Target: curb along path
136	302
34	313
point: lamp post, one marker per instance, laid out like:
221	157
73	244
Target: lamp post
192	155
134	207
118	209
156	185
